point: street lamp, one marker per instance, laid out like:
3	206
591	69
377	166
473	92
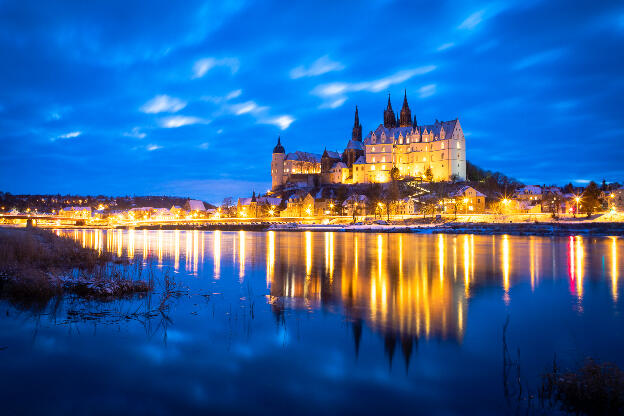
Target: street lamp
577	199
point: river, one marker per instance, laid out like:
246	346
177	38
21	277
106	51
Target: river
309	322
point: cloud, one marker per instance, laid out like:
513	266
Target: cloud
335	93
445	46
247	107
321	66
582	180
70	135
179	121
204	145
218	99
283	122
538	58
427	90
135	132
152	147
473	20
163	103
204	65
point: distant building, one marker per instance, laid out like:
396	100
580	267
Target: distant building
194	206
76	212
255	207
467	200
299	206
400	142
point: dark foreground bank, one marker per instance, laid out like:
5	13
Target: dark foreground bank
37	264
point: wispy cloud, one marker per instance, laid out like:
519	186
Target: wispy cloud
427	90
163	103
335	93
179	121
204	65
283	122
446	46
247	107
538	58
321	66
152	147
136	133
473	20
478	17
215	99
70	135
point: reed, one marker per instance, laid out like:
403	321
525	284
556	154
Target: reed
38	264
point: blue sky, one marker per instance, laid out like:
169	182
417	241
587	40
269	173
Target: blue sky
188	98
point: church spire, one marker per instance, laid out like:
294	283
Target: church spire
389	117
405	119
356	134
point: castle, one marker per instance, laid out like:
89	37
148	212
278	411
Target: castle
397	148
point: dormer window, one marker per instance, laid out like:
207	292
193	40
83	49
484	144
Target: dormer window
373	149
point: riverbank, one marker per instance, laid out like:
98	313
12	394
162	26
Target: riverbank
37	264
522	229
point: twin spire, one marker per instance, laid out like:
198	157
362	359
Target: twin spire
356	134
403	120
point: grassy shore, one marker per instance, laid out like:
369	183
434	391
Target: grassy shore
37	264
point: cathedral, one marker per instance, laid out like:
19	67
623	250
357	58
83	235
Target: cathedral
399	147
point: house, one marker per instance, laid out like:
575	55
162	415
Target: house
405	206
299	206
163	214
529	199
466	200
177	211
194	206
355	205
75	212
616	200
140	213
256	207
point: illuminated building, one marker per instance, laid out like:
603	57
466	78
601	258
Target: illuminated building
435	150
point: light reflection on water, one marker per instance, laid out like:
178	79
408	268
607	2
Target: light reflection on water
273	316
414	284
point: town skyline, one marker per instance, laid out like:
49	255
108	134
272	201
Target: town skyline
114	106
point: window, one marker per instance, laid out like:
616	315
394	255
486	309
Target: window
373	148
383	167
424	159
442	156
383	159
372	167
373	159
442	144
458	146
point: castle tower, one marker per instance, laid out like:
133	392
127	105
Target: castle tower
405	120
277	165
389	117
357	127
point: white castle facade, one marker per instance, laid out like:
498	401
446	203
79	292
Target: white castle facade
399	147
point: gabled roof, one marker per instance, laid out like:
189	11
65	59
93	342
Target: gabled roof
304	156
355	144
360	161
385	135
339	165
530	190
461	191
194	205
332	154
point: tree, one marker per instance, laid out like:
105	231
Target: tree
374	194
391	197
428	175
340	197
591	199
395	175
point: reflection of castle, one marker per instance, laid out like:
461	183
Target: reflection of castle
397	143
402	296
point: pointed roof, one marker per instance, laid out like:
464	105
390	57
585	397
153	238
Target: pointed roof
389	107
278	148
405	105
356	123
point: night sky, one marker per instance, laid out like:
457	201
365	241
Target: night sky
188	98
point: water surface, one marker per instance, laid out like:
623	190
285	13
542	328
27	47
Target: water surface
319	322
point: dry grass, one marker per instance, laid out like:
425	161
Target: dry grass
38	264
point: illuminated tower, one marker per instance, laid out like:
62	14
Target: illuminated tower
277	165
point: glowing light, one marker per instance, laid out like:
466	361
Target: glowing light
506	266
614	270
308	248
241	255
176	250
